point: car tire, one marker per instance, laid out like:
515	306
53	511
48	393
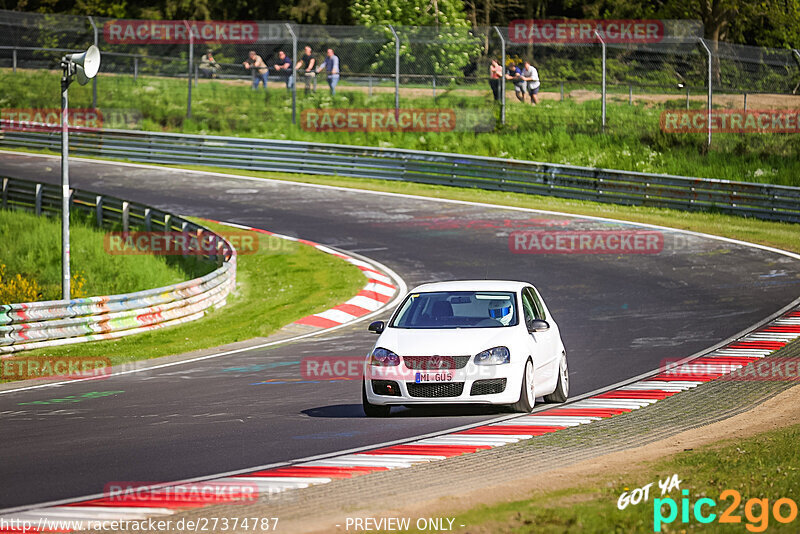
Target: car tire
372	410
526	395
562	385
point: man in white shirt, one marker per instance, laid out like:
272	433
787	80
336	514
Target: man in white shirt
531	77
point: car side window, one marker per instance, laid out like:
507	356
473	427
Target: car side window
528	306
537	303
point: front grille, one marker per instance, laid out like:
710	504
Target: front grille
488	387
434	363
386	387
443	389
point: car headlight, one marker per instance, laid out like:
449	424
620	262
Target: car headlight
494	356
384	358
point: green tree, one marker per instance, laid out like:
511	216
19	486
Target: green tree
435	35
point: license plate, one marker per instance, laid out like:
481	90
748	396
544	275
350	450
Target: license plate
441	376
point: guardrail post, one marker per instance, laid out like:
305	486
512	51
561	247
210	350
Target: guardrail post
94	80
98	210
708	118
5	193
38	200
147	216
503	77
167	222
396	71
603	91
294	73
126	214
14	60
189	72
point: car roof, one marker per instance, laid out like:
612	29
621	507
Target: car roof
471	285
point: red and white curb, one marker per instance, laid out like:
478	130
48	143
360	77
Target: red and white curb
711	366
379	291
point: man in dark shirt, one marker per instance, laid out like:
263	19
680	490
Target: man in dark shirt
305	65
284	68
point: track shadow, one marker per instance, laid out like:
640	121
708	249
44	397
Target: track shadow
355	411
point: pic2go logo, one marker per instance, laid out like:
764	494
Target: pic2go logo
756	511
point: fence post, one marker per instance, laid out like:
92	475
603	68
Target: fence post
369	78
687	96
126	214
94	80
503	77
562	90
189	72
745	101
708	118
5	193
196	74
37	203
434	88
630	94
396	71
14	60
294	73
98	210
135	68
603	93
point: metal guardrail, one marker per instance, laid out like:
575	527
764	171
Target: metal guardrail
62	322
764	201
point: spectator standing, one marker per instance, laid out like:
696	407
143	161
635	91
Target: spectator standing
284	67
331	66
495	75
208	65
531	77
514	75
259	69
307	64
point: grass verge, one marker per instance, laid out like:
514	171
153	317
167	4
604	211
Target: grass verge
31	248
278	284
760	467
567	132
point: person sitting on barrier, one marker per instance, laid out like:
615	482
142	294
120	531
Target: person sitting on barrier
284	68
495	73
531	78
259	69
208	65
331	65
307	63
514	75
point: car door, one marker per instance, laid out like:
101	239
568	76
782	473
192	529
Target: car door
544	345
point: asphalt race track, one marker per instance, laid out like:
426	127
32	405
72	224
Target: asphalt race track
620	315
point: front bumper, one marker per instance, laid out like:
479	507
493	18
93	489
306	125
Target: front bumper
473	384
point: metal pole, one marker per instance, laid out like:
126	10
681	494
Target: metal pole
370	85
708	118
434	88
94	80
294	73
196	74
562	90
135	69
503	77
396	71
687	95
191	60
14	59
65	271
745	101
603	95
630	95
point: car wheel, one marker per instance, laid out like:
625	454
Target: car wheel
527	398
372	410
562	386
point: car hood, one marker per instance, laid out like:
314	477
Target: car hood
443	342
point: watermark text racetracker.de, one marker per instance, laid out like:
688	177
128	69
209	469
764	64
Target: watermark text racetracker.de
434	120
586	242
200	243
54	368
731	121
583	31
78	119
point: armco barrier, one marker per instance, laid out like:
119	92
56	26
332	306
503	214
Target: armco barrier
62	322
763	201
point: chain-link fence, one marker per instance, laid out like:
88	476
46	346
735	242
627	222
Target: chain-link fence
402	66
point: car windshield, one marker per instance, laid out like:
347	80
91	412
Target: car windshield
457	309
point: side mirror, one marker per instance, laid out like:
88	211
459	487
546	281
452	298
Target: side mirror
537	325
377	327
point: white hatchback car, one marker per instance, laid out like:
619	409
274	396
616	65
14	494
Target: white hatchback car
472	342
